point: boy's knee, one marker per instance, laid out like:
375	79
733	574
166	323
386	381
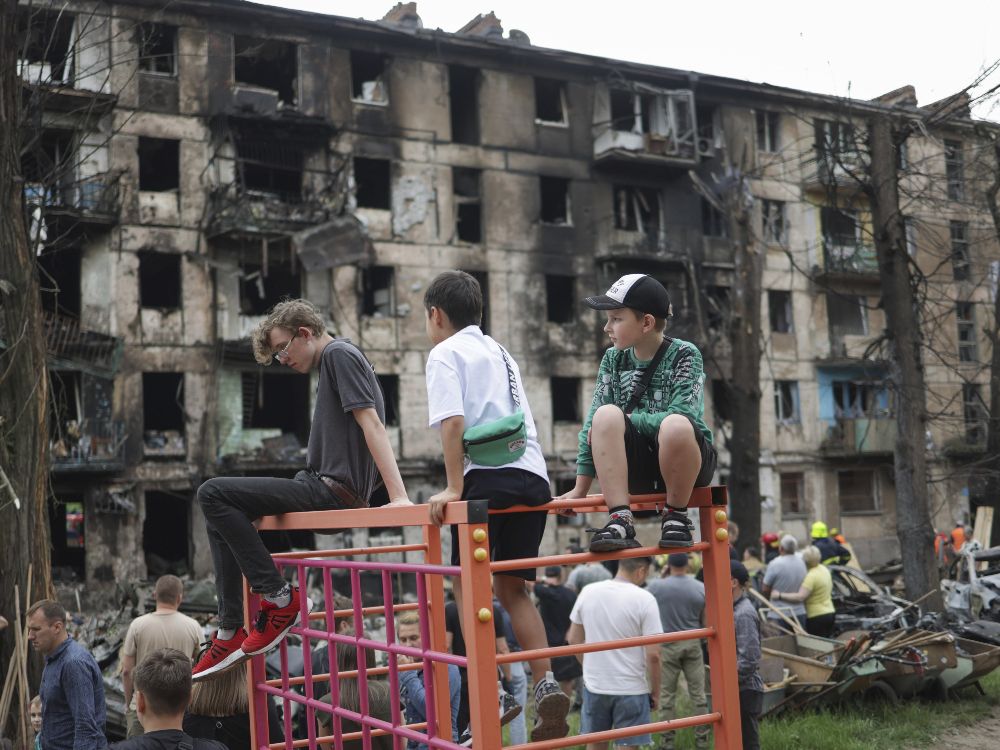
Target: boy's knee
676	428
208	493
608	416
509	589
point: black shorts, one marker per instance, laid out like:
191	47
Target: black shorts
642	454
566	668
512	535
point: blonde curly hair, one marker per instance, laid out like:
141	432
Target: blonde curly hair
292	314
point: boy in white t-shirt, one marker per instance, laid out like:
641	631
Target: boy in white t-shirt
467	386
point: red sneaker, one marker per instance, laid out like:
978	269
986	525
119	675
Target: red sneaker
219	655
273	622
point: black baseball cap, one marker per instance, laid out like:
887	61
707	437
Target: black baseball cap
635	290
553	571
738	571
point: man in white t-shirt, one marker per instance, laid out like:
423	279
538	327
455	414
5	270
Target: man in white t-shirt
620	686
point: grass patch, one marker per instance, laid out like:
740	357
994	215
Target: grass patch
911	725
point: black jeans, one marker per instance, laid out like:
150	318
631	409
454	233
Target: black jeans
751	703
230	504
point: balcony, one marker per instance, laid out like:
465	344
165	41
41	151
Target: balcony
94	446
646	127
72	348
88	204
849	260
842	171
863	436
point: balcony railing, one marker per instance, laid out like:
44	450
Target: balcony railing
864	436
70	346
255	212
93	197
93	445
855	259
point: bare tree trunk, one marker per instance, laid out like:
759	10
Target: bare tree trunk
992	458
913	521
24	531
745	341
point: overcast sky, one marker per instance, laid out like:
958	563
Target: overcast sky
861	49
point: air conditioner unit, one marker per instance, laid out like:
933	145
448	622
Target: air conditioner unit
706	148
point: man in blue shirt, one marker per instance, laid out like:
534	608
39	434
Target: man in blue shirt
72	688
411	682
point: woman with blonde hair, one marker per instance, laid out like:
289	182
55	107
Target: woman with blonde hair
817	593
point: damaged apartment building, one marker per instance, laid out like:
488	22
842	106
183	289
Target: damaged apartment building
191	163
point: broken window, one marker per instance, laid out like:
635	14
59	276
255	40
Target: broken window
165	532
768	125
858	491
910	232
269	274
637	209
716	307
468	205
159	280
48	164
59	280
565	399
368	77
276	401
834	140
792	494
772	214
378	298
954	167
846	315
721	401
45	54
853	399
555	200
66	526
779	306
560	298
163	418
840	227
974	413
786	401
463	99
550	101
157	48
390	394
960	260
968	350
267	64
65	414
271	167
372	183
630	111
713	221
484	284
159	164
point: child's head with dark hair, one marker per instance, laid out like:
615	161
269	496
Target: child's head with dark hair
458	295
164	680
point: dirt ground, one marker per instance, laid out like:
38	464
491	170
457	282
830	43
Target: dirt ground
982	734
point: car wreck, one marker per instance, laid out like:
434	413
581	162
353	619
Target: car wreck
971	589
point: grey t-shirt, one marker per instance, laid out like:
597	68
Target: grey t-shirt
337	446
681	600
585	574
785	573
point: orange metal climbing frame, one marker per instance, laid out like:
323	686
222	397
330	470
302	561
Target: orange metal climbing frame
476	616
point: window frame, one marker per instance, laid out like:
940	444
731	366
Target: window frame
965	316
876	494
792	387
799	478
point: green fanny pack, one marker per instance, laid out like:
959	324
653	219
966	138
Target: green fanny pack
497	443
500	441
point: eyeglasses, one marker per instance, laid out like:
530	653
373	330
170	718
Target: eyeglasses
282	355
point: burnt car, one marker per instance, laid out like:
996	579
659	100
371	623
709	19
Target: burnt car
972	589
863	604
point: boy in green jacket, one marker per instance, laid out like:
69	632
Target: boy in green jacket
659	444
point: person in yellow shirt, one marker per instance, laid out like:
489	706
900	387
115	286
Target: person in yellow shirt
817	593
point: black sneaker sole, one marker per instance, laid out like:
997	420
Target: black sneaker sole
551	717
613	545
671	543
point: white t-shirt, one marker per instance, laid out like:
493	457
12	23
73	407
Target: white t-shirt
467	377
610	611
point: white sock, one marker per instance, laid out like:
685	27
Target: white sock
225	634
282	597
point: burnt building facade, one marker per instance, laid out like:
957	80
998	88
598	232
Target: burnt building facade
192	163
